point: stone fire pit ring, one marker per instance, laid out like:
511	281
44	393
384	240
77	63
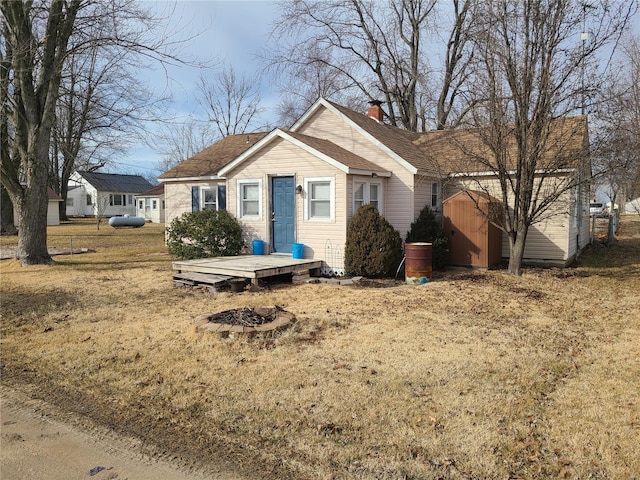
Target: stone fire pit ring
244	320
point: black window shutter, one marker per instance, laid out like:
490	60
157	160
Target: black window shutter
195	199
222	197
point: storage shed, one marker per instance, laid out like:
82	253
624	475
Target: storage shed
474	240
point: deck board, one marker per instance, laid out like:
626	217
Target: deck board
247	266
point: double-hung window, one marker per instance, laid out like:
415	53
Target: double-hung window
249	198
320	203
435	195
367	193
209	198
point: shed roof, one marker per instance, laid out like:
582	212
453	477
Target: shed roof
114	182
209	161
156	191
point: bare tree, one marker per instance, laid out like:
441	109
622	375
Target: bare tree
36	65
379	51
617	159
231	102
528	76
36	42
180	141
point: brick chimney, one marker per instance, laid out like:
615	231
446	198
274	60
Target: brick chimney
375	111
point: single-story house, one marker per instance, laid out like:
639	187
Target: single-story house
103	194
632	206
304	184
151	205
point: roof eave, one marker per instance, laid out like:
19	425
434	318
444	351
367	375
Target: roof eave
191	179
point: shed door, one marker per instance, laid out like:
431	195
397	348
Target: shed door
283	214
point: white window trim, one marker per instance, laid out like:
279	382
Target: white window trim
367	194
438	205
202	196
239	184
332	199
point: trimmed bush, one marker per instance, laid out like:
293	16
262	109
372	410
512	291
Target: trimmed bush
373	247
427	228
205	233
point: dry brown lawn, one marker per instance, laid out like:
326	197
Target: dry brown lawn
477	375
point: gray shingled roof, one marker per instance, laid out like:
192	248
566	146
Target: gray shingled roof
115	182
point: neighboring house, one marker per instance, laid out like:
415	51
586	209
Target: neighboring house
151	205
104	194
632	206
53	211
304	185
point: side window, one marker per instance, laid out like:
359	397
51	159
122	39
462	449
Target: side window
154	204
249	198
435	195
209	197
140	204
320	200
367	193
69	202
89	200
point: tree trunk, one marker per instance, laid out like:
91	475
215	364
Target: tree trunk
517	242
7	226
32	236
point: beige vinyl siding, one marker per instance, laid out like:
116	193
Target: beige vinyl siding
285	159
178	197
548	241
399	203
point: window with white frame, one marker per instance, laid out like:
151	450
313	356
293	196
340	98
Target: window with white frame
89	200
249	198
435	195
320	203
147	204
367	193
209	198
69	201
117	199
154	204
141	205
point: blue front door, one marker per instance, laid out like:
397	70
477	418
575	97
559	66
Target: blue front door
283	214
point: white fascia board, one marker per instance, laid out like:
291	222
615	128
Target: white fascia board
369	173
242	157
191	179
312	109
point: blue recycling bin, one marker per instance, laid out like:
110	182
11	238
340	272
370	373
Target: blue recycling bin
297	250
258	247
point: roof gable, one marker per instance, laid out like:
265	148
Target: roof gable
212	159
325	150
397	143
115	182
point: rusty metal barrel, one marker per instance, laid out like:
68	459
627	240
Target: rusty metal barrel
418	264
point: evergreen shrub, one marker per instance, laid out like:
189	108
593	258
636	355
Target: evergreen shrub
205	233
373	247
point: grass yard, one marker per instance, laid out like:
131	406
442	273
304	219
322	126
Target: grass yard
477	375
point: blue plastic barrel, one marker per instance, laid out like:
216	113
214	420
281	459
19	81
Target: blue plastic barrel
297	250
258	247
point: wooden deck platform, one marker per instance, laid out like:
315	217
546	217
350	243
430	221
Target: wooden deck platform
252	267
